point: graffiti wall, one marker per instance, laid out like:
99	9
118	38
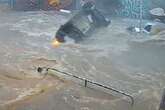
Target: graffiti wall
25	5
124	8
132	8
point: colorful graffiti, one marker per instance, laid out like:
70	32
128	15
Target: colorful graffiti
132	8
60	4
39	4
54	3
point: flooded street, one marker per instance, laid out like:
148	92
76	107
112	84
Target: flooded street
112	56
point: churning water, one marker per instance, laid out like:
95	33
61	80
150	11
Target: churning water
133	63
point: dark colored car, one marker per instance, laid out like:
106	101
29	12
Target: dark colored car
83	24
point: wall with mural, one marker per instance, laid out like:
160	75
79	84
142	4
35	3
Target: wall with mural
25	5
132	8
125	8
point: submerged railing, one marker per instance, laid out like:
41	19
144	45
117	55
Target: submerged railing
86	81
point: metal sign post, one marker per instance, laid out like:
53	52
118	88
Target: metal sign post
141	16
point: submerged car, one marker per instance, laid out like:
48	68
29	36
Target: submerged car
83	24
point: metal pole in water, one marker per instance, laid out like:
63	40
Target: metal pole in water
11	3
77	4
86	83
162	103
141	16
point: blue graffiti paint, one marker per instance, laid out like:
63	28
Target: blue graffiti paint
131	8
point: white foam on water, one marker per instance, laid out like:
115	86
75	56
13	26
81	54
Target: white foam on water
39	24
25	27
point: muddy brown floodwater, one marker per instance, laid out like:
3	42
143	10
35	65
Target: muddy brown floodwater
112	56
